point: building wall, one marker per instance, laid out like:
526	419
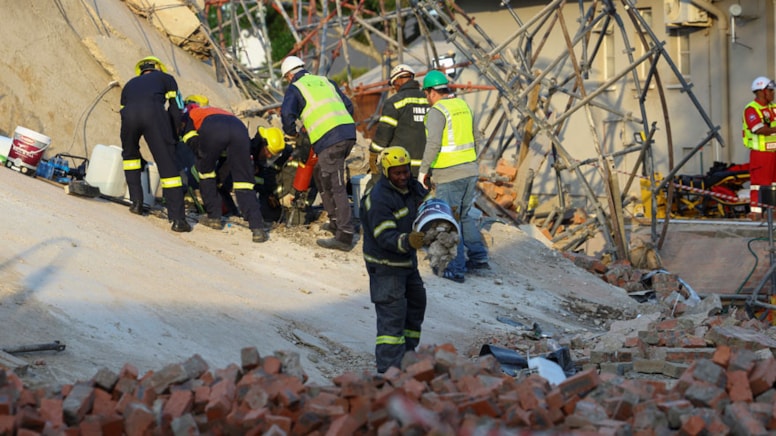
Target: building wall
718	59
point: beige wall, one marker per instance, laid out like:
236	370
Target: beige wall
720	73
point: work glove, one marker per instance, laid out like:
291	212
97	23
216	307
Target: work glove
290	140
416	239
287	200
456	215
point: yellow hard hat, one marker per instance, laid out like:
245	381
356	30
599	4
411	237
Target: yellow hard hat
393	157
149	63
274	138
197	99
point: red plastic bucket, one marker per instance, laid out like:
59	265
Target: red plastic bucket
27	148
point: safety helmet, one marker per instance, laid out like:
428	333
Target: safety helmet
762	82
289	64
149	63
198	99
435	79
393	157
401	70
274	138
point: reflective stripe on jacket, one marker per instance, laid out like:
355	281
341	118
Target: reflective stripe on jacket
324	109
457	136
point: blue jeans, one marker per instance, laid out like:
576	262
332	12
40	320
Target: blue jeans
460	194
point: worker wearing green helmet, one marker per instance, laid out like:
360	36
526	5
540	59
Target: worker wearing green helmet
450	160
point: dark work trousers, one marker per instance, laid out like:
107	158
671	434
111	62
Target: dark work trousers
400	304
329	175
152	123
216	134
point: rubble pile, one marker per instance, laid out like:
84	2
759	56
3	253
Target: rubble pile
621	273
441	243
725	390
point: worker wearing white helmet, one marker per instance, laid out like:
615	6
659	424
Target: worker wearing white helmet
759	133
401	120
327	116
143	113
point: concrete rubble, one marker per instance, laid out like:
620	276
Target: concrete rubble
701	373
441	244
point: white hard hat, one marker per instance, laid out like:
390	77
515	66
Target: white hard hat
400	70
762	82
290	64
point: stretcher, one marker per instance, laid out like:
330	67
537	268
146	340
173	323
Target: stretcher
714	195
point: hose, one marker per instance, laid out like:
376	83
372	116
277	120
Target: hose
87	112
756	261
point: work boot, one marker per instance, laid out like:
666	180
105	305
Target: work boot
477	265
181	225
213	223
343	242
136	208
330	227
259	235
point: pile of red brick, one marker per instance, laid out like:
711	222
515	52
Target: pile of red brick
437	392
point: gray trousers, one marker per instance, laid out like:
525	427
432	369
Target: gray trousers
329	176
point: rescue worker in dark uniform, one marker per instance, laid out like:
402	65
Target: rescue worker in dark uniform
390	252
270	156
143	114
327	116
401	120
209	131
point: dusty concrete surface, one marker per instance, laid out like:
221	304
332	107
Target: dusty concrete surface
716	257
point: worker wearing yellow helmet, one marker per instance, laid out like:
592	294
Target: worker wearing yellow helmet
387	214
274	171
149	63
151	108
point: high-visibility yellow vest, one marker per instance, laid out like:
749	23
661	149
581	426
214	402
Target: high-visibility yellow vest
324	109
457	136
754	141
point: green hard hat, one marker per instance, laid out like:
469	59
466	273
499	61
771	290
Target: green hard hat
435	78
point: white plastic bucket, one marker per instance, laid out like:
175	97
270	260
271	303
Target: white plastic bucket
106	170
27	148
432	210
150	181
5	148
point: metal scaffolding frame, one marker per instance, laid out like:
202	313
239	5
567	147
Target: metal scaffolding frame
538	91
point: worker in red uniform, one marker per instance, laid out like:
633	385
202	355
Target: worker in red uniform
210	131
758	121
143	114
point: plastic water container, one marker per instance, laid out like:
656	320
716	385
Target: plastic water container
27	149
358	183
106	170
5	148
45	169
150	180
